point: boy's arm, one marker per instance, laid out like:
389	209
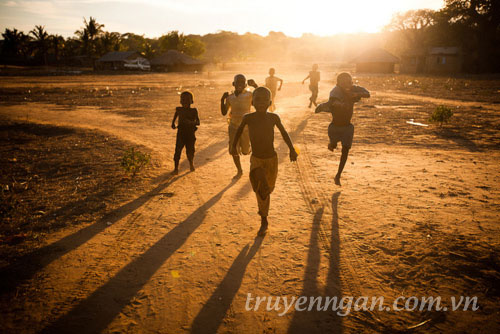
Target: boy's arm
286	138
305	78
238	135
322	107
223	104
361	92
197	119
251	82
173	120
281	83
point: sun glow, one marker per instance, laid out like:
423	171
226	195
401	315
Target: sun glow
155	17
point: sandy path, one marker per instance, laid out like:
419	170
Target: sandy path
184	256
396	95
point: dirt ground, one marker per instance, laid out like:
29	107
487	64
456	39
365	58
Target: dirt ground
417	213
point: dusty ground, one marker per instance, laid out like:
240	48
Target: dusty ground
417	214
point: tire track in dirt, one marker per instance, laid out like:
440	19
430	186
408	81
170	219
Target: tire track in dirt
352	281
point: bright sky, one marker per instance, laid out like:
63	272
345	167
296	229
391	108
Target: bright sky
156	17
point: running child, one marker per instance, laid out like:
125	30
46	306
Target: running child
236	105
314	78
341	106
272	84
264	160
186	127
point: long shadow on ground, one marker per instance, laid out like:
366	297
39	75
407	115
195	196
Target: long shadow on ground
26	266
213	312
315	320
95	313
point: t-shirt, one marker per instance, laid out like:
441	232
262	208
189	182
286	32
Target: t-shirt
239	106
340	105
261	132
314	78
272	83
187	118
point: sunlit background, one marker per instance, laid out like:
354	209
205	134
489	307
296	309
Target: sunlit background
155	17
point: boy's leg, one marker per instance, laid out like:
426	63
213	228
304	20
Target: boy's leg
190	141
273	98
179	144
332	134
236	158
343	160
314	95
347	136
263	174
311	97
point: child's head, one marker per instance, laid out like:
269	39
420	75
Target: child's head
315	67
271	71
187	98
344	81
261	98
239	82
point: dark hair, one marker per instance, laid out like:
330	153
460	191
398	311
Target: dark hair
343	76
188	93
262	88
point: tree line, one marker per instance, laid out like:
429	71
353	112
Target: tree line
471	25
38	47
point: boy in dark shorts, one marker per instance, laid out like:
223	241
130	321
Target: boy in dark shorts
186	127
314	78
264	160
341	106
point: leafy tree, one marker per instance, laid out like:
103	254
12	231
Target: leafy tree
411	28
57	42
476	24
15	43
193	46
89	35
41	42
148	51
109	41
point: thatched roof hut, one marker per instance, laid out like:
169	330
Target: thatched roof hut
376	61
117	60
175	61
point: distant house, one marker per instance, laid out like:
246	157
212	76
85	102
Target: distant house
375	61
413	62
175	61
434	60
120	60
444	60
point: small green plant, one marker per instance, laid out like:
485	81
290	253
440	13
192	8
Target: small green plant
133	161
441	115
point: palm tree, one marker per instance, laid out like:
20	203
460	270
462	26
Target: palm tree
57	45
41	41
88	35
15	43
109	41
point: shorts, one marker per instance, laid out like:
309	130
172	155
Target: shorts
243	146
269	169
343	134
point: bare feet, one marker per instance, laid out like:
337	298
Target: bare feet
191	167
263	227
337	180
331	146
175	172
